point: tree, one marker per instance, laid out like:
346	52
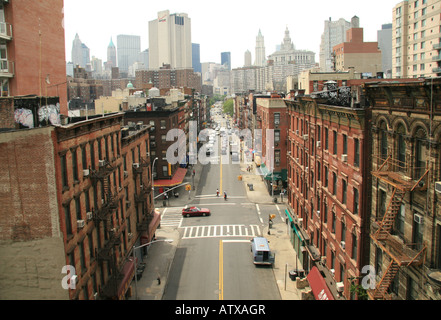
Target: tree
229	107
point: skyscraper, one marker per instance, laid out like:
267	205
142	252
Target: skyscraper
226	60
334	34
196	57
384	37
260	51
80	53
247	59
128	50
170	41
111	55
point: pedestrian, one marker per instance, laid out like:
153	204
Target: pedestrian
217	192
225	195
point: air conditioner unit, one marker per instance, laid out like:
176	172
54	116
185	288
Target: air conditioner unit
438	186
86	172
95	295
128	204
344	157
130	235
80	224
89	215
418	218
305	137
340	286
297	131
318	212
319	144
126	174
136	165
147	154
307	168
300	220
343	244
101	163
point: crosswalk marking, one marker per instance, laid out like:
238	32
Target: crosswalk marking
216	231
171	217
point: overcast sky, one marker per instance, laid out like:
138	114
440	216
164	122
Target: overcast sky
219	26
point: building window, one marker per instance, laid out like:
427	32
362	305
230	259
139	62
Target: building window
383	140
356	201
78	208
276	135
345	144
401	150
84	157
276	119
420	154
344	191
354	246
68	219
75	165
277	157
335	141
356	152
64	179
333	222
326	138
399	221
326	177
382	203
334	181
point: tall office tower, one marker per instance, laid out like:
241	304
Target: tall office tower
79	52
128	49
226	60
384	38
111	55
196	57
334	33
260	51
416	35
170	41
247	59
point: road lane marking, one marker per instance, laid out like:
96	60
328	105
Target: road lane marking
221	270
258	212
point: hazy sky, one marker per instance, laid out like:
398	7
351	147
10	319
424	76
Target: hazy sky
220	26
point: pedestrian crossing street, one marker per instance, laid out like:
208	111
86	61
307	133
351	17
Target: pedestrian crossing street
215	231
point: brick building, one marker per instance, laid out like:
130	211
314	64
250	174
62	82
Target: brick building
405	232
79	195
33	39
328	186
272	115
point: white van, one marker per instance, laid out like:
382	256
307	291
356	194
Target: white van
261	251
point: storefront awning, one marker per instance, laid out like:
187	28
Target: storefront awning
147	236
318	285
128	273
177	178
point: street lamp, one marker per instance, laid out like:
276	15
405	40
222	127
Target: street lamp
134	260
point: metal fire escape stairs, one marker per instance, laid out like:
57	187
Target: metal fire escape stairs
399	254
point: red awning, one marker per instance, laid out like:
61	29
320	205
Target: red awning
147	236
178	177
318	285
128	273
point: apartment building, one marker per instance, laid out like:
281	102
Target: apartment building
328	183
405	232
272	115
33	50
79	198
416	39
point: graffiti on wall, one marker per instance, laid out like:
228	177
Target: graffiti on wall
45	115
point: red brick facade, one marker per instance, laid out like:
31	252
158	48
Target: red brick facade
37	49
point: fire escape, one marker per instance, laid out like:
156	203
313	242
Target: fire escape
145	190
112	235
400	253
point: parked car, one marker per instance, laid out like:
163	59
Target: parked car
195	211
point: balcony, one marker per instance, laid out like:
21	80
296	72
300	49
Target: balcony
5	31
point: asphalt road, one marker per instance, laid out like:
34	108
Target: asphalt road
213	260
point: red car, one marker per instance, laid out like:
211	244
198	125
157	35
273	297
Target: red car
195	211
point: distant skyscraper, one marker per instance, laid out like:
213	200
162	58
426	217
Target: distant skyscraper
128	50
80	53
170	41
196	57
226	60
247	59
334	34
111	55
260	51
384	38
